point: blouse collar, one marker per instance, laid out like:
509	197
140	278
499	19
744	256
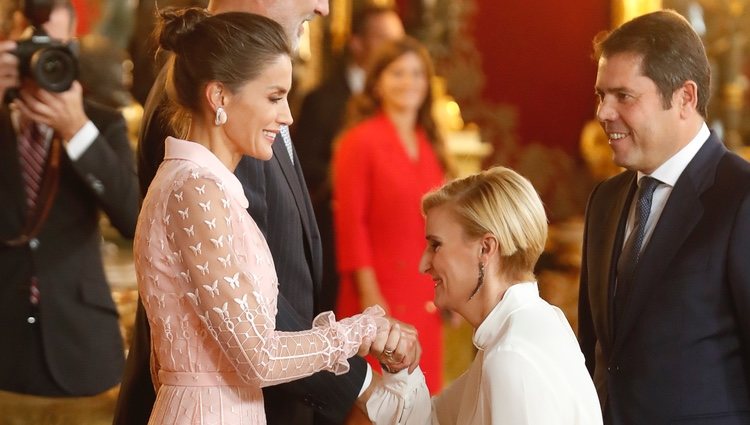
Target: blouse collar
204	158
516	296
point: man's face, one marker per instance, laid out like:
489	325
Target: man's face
380	29
641	131
60	25
292	14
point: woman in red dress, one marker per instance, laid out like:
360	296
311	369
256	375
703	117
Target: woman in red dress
384	163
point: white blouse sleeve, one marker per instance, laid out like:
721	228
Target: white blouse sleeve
223	286
400	398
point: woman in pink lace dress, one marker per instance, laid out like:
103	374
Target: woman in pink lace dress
205	273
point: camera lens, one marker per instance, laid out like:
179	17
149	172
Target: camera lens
54	68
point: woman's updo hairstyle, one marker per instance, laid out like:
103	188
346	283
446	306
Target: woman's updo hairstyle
231	48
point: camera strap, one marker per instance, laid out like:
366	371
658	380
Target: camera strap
36	218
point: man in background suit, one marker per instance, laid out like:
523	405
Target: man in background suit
280	205
322	116
58	322
666	332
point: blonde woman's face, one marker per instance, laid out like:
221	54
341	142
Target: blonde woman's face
450	258
403	85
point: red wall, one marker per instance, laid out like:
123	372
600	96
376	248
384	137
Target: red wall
536	55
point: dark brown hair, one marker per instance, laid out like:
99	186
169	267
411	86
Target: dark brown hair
362	16
231	48
671	51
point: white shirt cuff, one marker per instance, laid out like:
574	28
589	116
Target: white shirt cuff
81	141
367	381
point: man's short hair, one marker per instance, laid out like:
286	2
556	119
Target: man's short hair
671	51
362	16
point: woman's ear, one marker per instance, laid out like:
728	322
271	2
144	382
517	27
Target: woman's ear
214	94
488	246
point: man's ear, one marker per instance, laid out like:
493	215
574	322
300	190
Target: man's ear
687	97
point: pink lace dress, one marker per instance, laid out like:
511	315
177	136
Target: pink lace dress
208	283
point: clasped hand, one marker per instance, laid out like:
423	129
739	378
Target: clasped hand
396	346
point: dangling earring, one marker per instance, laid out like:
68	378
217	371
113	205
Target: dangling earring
480	280
221	117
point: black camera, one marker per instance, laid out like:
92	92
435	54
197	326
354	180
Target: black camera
51	63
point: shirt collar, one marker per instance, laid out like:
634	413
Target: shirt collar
671	170
198	154
355	78
515	297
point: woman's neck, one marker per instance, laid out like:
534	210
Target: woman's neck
214	139
405	123
484	301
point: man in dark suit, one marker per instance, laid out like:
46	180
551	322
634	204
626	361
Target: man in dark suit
280	205
59	323
322	117
665	281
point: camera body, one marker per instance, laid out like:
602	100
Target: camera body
50	63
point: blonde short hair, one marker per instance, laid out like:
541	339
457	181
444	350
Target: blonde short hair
500	202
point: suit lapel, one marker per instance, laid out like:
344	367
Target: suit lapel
281	155
10	175
614	230
681	214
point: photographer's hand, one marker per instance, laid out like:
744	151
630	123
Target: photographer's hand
8	67
61	111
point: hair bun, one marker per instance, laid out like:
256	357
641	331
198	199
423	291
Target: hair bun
176	25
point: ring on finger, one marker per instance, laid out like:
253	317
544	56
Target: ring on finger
388	353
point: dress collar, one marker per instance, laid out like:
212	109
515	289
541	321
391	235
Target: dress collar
194	152
517	296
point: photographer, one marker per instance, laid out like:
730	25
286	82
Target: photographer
63	160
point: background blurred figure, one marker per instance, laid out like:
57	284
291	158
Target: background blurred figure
484	236
385	162
596	153
106	76
142	46
322	116
63	160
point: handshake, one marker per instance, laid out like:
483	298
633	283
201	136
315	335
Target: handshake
396	344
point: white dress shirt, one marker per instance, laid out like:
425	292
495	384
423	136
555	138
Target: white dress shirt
667	174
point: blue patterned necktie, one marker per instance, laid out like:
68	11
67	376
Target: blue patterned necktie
632	250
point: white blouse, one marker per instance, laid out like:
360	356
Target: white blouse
528	370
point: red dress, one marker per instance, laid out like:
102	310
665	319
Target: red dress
377	193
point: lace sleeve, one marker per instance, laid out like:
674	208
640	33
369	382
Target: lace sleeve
226	276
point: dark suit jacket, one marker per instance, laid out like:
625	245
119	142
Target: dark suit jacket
82	344
280	204
680	351
320	120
